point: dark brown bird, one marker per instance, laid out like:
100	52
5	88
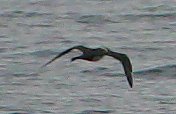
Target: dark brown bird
96	54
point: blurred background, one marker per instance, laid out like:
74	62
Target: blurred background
34	31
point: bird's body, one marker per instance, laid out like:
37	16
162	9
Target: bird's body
96	54
93	54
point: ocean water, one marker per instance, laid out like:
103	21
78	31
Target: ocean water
34	31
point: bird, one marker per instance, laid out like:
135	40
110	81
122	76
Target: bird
95	54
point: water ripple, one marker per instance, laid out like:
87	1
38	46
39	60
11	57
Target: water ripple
96	112
43	53
134	16
19	113
94	19
19	13
36	25
168	70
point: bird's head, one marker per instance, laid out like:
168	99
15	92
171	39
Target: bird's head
106	49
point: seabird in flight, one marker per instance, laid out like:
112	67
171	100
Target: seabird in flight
96	54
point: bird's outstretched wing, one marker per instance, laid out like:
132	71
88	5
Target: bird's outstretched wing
123	58
79	47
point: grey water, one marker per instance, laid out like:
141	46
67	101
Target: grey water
34	31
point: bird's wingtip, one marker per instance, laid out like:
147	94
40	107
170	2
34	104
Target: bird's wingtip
43	66
131	85
130	80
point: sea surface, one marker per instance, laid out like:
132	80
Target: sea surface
34	31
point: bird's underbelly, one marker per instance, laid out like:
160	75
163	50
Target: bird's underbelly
96	58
